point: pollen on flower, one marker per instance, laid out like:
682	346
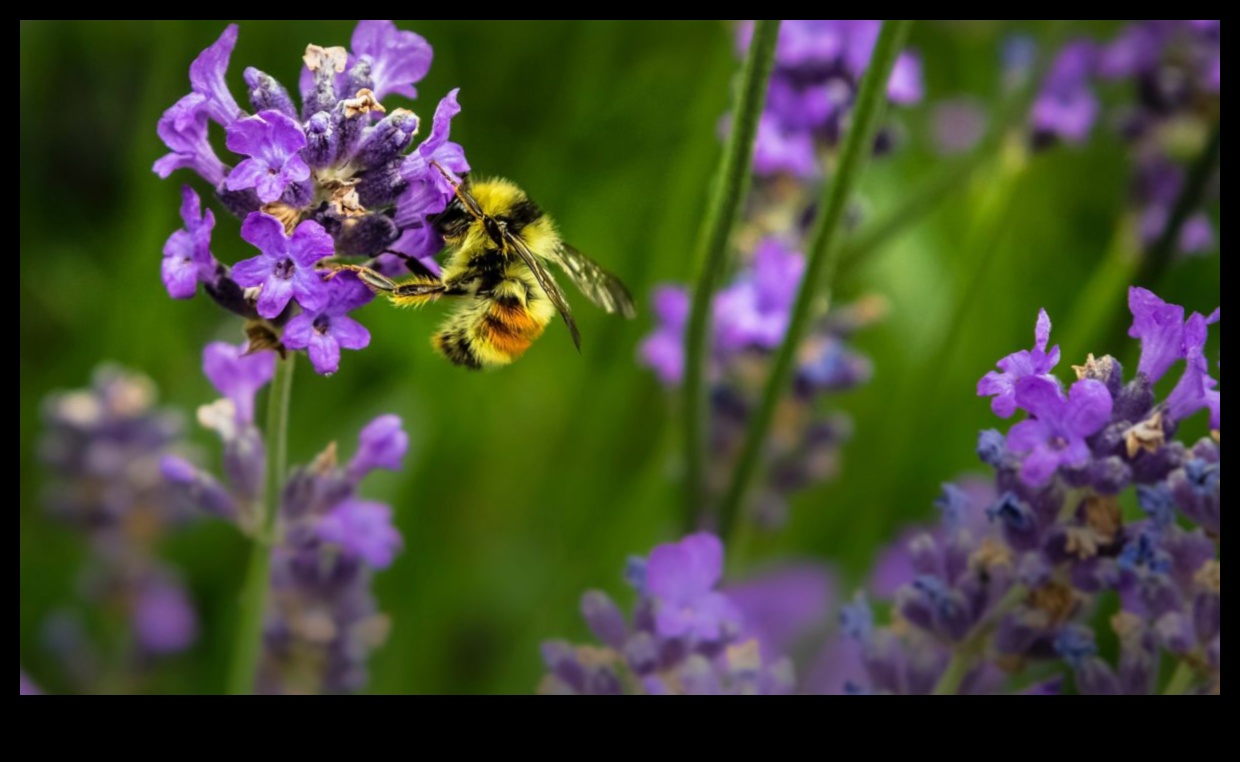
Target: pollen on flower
1095	368
1147	435
1210	576
363	103
317	57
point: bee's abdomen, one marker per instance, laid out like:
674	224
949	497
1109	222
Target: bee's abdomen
491	331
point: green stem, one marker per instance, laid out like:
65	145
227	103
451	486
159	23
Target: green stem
968	649
824	255
727	195
1160	254
1181	680
248	646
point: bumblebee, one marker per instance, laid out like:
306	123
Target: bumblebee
500	242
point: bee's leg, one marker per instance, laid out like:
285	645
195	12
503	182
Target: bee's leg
413	292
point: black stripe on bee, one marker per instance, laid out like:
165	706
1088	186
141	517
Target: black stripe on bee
521	214
456	348
496	324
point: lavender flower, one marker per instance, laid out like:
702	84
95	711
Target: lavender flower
684	636
237	374
1009	577
818	66
273	142
322	620
1018	365
1066	107
364	529
331	179
187	254
681	578
103	447
164	618
1055	434
285	269
324	332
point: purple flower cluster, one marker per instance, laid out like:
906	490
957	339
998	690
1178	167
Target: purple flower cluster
103	446
322	620
339	177
1010	579
750	317
687	636
818	68
1173	70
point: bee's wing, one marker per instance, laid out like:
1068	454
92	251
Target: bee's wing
599	286
548	285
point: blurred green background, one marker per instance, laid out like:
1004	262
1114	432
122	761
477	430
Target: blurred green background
527	486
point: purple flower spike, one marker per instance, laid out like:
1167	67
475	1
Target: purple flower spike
429	191
682	577
1160	327
183	128
362	528
237	375
1066	107
1025	363
285	269
1055	435
272	141
905	85
779	149
187	253
325	331
755	310
397	58
163	618
206	77
382	444
664	350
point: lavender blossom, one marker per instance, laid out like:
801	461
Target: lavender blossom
325	331
26	686
237	374
818	66
104	447
684	636
340	176
187	254
273	142
1066	107
1018	365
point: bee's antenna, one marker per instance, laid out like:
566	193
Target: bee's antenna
466	200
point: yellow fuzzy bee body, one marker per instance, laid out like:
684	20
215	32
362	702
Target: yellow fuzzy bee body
500	243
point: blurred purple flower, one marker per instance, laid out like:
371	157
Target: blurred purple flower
664	349
364	529
754	311
381	444
163	618
1066	107
782	605
681	577
237	374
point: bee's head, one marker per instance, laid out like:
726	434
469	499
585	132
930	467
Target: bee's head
453	222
